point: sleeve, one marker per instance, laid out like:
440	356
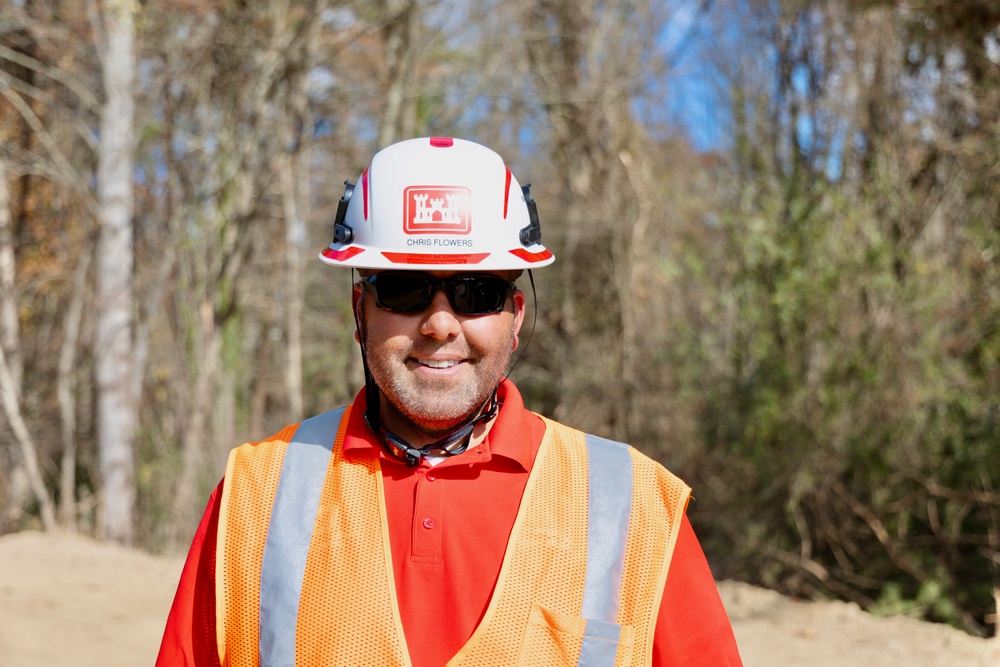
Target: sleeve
189	636
692	628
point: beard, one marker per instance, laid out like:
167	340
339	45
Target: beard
434	407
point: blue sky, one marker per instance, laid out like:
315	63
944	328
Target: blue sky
691	89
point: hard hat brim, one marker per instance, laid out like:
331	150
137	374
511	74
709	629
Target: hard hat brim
358	256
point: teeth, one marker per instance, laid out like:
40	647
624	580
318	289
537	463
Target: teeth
438	363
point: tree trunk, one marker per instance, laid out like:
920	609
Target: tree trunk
28	449
556	33
295	237
8	301
9	326
65	385
296	195
398	47
10	343
202	402
117	404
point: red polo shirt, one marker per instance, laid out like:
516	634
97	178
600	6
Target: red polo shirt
448	531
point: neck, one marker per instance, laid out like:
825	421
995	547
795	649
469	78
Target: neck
421	434
424	443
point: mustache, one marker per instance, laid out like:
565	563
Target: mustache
425	350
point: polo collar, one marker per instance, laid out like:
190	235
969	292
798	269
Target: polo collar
506	436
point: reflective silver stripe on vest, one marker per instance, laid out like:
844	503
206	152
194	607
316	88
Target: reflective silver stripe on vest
600	644
608	512
289	533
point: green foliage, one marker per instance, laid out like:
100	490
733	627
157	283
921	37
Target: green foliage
848	392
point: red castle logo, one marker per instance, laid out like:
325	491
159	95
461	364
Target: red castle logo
437	209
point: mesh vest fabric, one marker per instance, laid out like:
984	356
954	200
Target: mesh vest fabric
252	475
348	613
534	616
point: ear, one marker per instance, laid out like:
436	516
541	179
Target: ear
518	299
357	302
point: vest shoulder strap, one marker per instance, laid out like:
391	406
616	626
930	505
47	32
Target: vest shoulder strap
290	531
268	508
609	506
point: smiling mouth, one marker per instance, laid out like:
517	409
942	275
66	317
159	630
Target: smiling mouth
439	363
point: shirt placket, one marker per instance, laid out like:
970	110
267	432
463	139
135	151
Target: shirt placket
428	518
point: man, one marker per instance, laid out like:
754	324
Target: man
436	520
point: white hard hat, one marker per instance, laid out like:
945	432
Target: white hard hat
437	203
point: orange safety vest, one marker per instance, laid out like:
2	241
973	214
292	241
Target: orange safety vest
304	571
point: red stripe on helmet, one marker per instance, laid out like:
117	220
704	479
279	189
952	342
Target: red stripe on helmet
422	258
364	190
342	255
442	142
532	257
506	194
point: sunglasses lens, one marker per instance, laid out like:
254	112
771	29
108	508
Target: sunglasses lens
413	292
478	295
407	294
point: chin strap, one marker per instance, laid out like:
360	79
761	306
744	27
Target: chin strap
452	444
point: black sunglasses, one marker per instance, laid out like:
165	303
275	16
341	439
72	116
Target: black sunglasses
412	292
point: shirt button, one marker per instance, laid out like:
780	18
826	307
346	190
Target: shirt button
431	478
428	523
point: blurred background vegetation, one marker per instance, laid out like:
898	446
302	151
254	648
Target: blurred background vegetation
777	225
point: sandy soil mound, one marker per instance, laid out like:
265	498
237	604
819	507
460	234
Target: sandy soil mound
773	630
69	600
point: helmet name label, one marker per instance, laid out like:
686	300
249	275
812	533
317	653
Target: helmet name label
440	243
437	209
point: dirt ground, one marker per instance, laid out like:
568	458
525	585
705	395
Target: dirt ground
69	600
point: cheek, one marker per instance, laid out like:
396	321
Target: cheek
379	326
385	338
498	336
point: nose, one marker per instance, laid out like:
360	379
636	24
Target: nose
439	320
